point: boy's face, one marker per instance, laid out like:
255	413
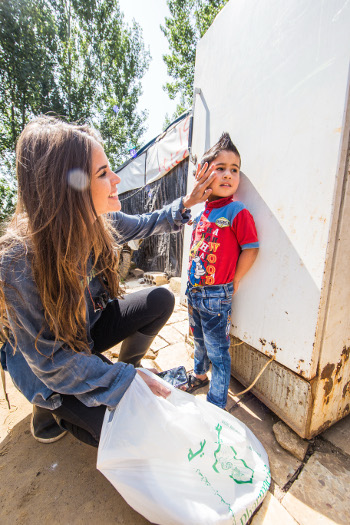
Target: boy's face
226	170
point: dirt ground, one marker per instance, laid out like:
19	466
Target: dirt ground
58	483
54	483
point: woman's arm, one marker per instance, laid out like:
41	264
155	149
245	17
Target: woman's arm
170	218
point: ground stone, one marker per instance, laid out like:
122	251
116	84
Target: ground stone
180	314
182	327
115	350
339	434
174	355
318	495
290	441
149	363
158	343
272	513
259	419
149	354
170	334
137	273
175	284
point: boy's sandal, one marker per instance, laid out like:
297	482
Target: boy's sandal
194	383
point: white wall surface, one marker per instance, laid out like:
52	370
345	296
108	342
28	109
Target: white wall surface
274	74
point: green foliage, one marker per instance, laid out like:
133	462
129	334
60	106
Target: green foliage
27	48
8	195
75	59
189	20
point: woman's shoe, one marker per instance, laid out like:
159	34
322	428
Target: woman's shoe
43	426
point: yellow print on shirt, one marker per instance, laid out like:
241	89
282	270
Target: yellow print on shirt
195	247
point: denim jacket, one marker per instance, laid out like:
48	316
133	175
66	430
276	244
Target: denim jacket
56	369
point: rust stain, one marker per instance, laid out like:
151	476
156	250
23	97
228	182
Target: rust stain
328	385
345	353
346	410
323	427
299	365
339	365
346	388
275	348
327	371
262	341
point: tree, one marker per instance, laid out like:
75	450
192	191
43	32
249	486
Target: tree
74	58
7	202
27	48
189	20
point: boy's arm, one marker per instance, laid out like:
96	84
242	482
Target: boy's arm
244	263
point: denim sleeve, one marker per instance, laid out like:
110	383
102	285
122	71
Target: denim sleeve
168	219
57	366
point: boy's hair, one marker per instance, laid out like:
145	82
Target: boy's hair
224	144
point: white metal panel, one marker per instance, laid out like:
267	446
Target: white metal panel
274	74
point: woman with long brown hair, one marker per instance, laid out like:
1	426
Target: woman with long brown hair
61	304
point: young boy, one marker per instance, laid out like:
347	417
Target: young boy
224	246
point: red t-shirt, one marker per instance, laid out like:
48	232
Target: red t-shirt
220	233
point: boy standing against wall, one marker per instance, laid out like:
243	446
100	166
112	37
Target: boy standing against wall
223	248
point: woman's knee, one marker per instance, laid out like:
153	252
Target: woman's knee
162	300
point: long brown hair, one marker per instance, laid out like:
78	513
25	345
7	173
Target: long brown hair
57	224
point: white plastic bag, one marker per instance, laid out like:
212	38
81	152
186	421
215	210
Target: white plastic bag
181	460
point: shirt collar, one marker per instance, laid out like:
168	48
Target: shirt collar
218	203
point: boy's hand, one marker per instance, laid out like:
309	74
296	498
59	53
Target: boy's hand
235	285
204	177
244	263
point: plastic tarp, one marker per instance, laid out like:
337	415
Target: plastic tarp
161	252
157	158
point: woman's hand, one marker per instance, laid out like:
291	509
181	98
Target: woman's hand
157	389
204	177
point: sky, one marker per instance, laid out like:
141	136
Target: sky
150	15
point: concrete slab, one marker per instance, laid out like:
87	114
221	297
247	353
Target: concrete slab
180	314
339	434
174	355
158	343
150	364
290	441
175	284
320	494
272	513
182	327
260	420
171	335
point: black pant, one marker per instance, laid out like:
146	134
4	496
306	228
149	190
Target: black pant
147	312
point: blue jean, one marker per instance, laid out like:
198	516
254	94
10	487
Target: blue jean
209	310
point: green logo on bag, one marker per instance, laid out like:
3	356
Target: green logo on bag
226	461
